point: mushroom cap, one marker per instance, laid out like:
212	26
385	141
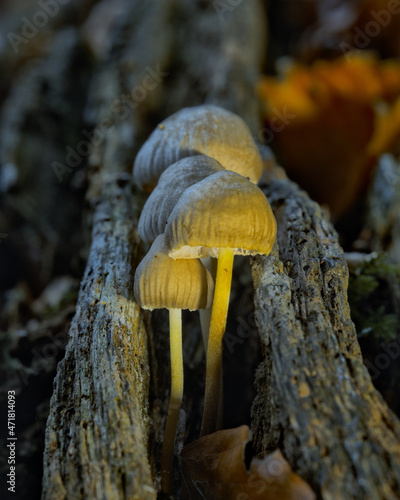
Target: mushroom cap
224	210
172	183
161	282
206	129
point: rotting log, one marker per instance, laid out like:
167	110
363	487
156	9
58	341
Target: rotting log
98	427
315	398
99	432
96	433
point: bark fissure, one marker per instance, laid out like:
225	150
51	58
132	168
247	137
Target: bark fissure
336	424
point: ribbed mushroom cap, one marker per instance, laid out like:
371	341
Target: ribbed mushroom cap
172	183
206	129
162	282
224	210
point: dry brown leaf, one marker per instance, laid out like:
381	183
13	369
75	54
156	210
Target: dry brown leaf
213	468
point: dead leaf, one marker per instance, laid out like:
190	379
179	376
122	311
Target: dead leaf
213	467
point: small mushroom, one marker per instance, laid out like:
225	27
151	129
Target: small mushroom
162	282
171	184
220	216
206	129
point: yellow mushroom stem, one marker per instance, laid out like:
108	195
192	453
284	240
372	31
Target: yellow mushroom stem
175	400
210	264
219	314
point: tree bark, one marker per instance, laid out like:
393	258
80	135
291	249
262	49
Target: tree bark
98	428
315	397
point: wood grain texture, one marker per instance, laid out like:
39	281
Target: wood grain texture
315	398
98	428
96	436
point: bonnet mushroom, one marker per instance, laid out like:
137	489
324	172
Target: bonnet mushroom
206	129
162	282
171	184
220	216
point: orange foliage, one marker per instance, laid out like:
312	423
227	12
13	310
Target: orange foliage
336	118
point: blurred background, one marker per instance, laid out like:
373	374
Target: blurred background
329	106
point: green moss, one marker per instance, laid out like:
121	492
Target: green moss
371	298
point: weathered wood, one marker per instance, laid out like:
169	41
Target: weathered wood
96	436
315	398
98	427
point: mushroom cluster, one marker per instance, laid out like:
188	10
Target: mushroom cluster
202	166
